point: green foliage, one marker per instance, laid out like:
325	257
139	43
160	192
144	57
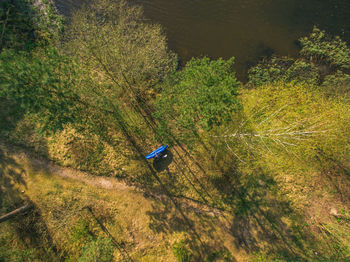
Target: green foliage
25	24
181	253
318	59
288	123
320	48
81	231
100	250
41	83
110	37
302	72
337	85
48	22
269	71
17	255
16	26
201	96
10	114
221	254
283	69
122	61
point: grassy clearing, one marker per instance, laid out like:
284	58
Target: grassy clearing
261	223
62	205
144	227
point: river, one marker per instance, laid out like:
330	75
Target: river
245	29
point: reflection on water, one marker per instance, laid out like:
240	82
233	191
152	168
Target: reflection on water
246	29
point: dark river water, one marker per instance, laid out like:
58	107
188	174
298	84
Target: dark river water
245	29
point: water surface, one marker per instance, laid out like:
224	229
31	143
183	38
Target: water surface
245	29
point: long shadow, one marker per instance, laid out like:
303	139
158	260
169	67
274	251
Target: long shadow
336	174
172	180
118	245
263	220
251	225
10	172
30	228
164	218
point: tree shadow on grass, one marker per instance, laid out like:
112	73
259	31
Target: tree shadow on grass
264	221
335	173
205	246
11	173
32	230
29	228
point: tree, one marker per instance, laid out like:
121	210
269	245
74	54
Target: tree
321	59
200	97
42	83
16	27
112	39
181	253
320	48
286	123
27	24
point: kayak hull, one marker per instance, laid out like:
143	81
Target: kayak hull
156	152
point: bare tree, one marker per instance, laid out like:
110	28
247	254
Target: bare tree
265	133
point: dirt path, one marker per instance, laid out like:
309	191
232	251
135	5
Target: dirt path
109	183
39	162
147	222
84	177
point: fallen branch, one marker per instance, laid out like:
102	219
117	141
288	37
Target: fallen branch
16	212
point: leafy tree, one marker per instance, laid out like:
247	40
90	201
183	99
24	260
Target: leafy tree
56	90
290	123
201	96
319	48
303	72
269	71
24	25
111	38
41	83
321	56
17	29
337	84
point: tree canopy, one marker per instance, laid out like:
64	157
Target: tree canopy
41	83
112	38
201	96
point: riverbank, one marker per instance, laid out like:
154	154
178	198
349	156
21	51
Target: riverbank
255	172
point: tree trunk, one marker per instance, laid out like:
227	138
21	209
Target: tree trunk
15	213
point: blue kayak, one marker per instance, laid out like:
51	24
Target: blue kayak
156	152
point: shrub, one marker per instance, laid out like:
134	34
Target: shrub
322	49
319	57
100	250
337	84
181	253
